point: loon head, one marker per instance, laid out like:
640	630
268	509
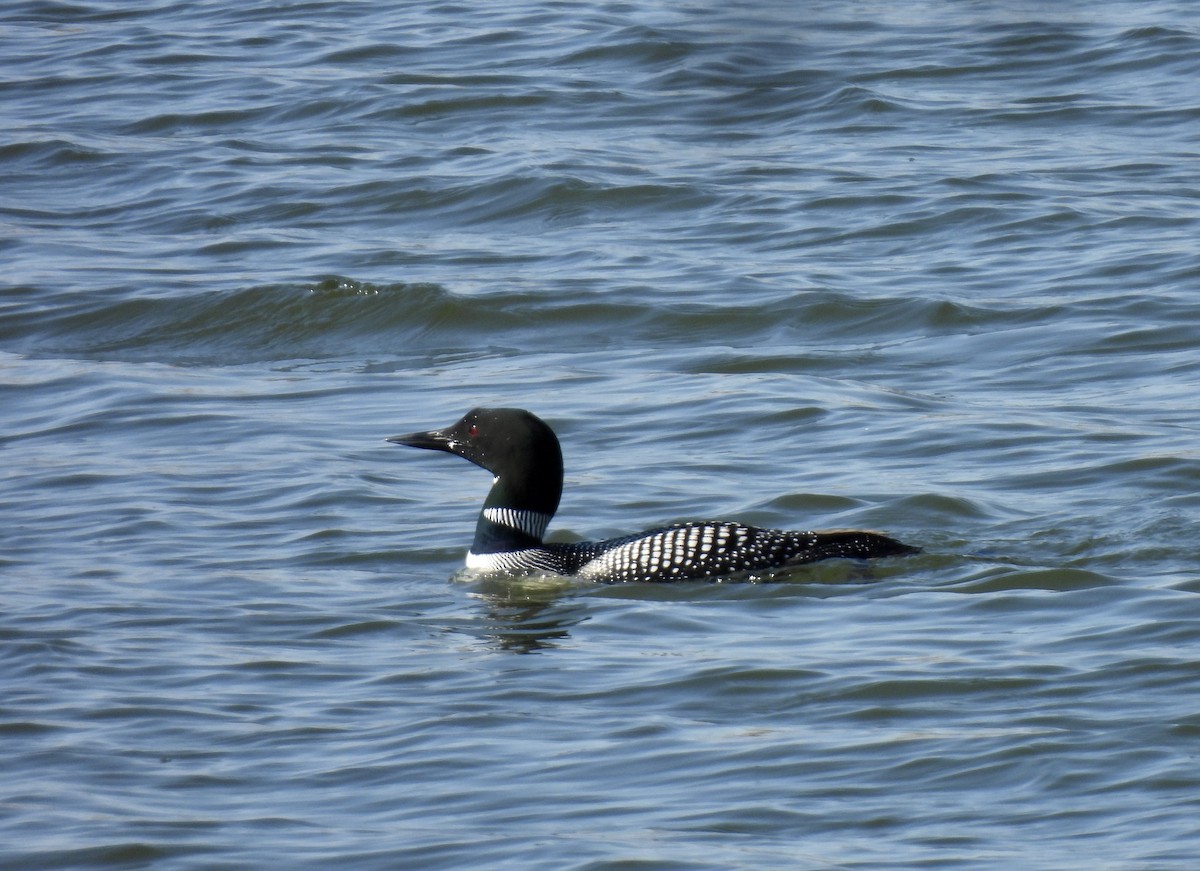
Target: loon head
517	447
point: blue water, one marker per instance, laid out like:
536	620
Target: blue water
927	268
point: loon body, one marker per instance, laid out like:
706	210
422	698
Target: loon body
523	453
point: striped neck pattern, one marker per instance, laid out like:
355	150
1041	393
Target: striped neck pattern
532	523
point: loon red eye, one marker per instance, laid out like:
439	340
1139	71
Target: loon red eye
472	430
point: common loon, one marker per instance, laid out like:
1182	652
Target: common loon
523	453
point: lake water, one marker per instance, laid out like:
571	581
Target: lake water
931	268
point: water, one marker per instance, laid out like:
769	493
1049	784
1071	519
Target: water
928	268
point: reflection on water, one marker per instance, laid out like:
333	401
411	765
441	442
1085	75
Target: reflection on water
524	615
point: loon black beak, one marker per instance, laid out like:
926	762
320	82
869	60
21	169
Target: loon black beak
435	440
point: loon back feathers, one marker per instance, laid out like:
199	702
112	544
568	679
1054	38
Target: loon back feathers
524	455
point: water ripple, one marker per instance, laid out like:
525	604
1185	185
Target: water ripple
927	268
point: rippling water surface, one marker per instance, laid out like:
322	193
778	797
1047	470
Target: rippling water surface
930	268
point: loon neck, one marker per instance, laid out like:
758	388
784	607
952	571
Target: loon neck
509	522
501	530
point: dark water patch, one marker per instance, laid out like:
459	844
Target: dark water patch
1060	580
371	52
286	322
48	153
945	511
371	627
215	326
807	504
210	120
471	104
633	46
115	854
57	12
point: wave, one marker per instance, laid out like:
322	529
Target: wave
339	317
